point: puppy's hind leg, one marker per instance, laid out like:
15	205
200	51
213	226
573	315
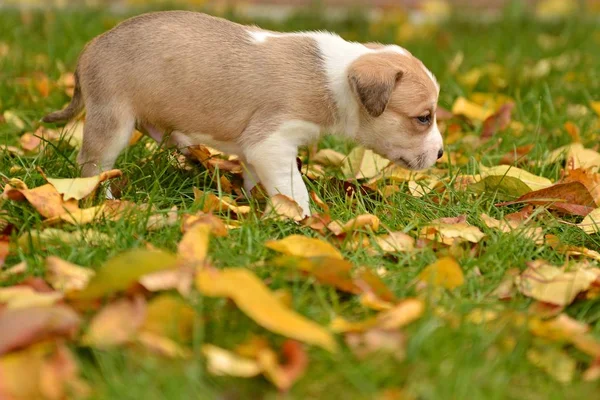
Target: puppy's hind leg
106	132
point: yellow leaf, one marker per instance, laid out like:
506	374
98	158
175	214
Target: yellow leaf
79	188
395	242
470	110
11	118
550	284
554	362
591	223
65	276
340	325
302	246
282	207
362	163
50	236
224	362
78	217
193	247
445	272
120	272
24	297
450	233
596	107
576	155
365	220
212	202
533	181
117	323
402	314
252	297
162	345
45	199
169	316
551	9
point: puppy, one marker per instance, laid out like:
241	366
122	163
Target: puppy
251	92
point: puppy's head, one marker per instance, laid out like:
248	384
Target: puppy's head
398	98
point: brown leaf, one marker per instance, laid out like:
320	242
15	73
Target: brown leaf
116	324
29	142
589	179
497	121
22	327
570	198
212	202
4	249
517	155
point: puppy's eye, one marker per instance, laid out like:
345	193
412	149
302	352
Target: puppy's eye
424	119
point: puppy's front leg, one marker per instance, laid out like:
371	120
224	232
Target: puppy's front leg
277	170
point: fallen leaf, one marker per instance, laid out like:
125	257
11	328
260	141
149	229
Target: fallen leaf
302	246
170	316
470	110
283	375
13	119
593	372
366	220
329	157
449	233
29	142
46	371
517	155
162	345
282	207
554	362
534	182
377	341
193	247
116	324
586	177
596	107
217	226
17	269
550	284
4	249
445	272
573	131
534	233
395	242
45	199
402	314
507	287
570	198
329	271
65	276
256	300
591	223
363	164
498	121
224	362
24	297
79	188
212	202
122	271
78	217
22	327
49	236
560	328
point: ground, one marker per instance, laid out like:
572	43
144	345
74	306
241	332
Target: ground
548	69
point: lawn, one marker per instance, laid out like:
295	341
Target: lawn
454	336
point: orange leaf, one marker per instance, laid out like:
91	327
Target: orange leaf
497	121
45	199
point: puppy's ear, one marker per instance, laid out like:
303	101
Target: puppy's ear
372	78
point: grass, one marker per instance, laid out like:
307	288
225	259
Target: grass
443	361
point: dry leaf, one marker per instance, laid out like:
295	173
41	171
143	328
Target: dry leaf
445	272
78	217
449	233
534	182
402	314
470	110
256	300
329	157
50	236
13	119
212	202
395	242
170	316
224	362
65	276
122	271
507	287
555	362
79	188
550	284
217	226
302	246
22	327
377	341
570	198
45	199
29	142
282	207
498	121
330	271
366	220
586	177
12	297
193	247
363	164
162	345
591	223
116	324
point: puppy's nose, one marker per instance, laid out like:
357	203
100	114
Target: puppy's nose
440	153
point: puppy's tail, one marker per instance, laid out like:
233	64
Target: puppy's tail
74	107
